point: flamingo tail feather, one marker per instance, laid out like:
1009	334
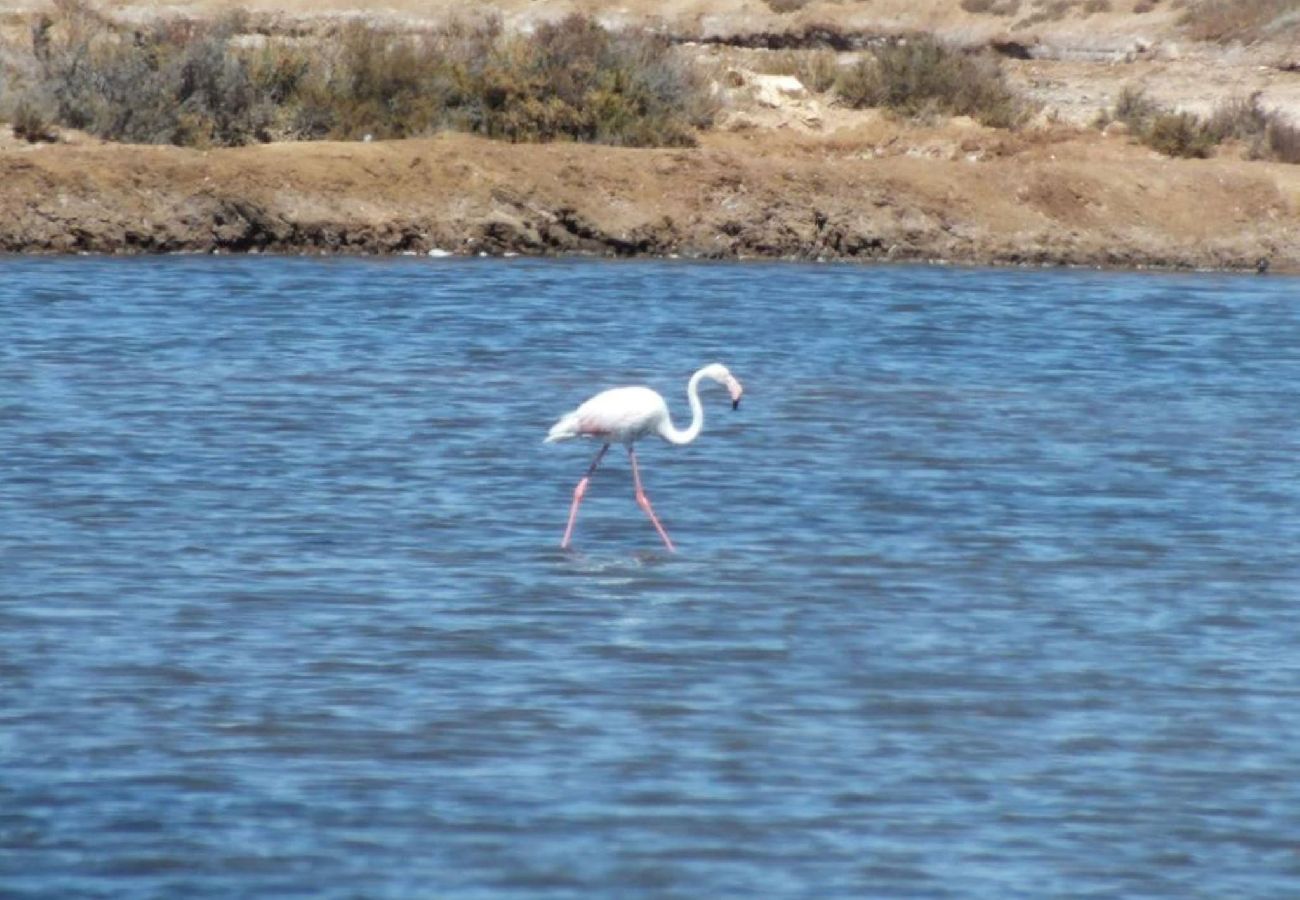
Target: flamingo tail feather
564	430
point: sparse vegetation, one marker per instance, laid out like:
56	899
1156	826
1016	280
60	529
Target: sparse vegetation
1265	133
1135	108
1240	20
1046	11
921	78
201	83
1238	118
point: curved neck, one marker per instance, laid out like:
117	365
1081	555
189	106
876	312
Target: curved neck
670	432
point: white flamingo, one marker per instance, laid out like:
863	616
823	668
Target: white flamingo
624	415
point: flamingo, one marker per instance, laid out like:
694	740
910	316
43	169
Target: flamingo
626	414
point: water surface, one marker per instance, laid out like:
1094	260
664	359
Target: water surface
990	588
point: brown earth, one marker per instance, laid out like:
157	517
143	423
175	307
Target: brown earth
794	178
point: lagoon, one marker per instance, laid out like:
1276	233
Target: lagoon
990	588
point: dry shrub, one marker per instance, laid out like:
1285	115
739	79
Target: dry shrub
375	82
574	79
196	83
173	81
1265	133
1135	109
922	78
787	6
31	124
1179	134
1240	119
991	7
1282	141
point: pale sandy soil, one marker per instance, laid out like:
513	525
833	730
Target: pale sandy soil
798	177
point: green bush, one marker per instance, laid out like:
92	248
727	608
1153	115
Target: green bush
921	78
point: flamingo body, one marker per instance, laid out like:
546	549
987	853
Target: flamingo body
624	415
617	416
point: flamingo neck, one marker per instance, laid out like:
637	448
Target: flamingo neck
674	435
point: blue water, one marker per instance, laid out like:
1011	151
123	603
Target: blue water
990	588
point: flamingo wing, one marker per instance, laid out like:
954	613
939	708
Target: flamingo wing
617	415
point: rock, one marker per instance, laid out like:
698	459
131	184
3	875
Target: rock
772	91
777	90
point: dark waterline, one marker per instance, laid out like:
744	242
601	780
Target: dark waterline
989	589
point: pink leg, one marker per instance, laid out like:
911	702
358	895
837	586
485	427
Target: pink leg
578	492
644	502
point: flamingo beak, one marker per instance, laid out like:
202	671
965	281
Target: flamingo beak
734	388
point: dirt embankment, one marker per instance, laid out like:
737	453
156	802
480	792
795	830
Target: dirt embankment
980	196
794	177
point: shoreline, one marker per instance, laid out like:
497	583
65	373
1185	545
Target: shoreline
684	260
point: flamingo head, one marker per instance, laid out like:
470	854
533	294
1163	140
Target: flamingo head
722	375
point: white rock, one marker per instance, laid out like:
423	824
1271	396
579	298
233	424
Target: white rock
776	90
